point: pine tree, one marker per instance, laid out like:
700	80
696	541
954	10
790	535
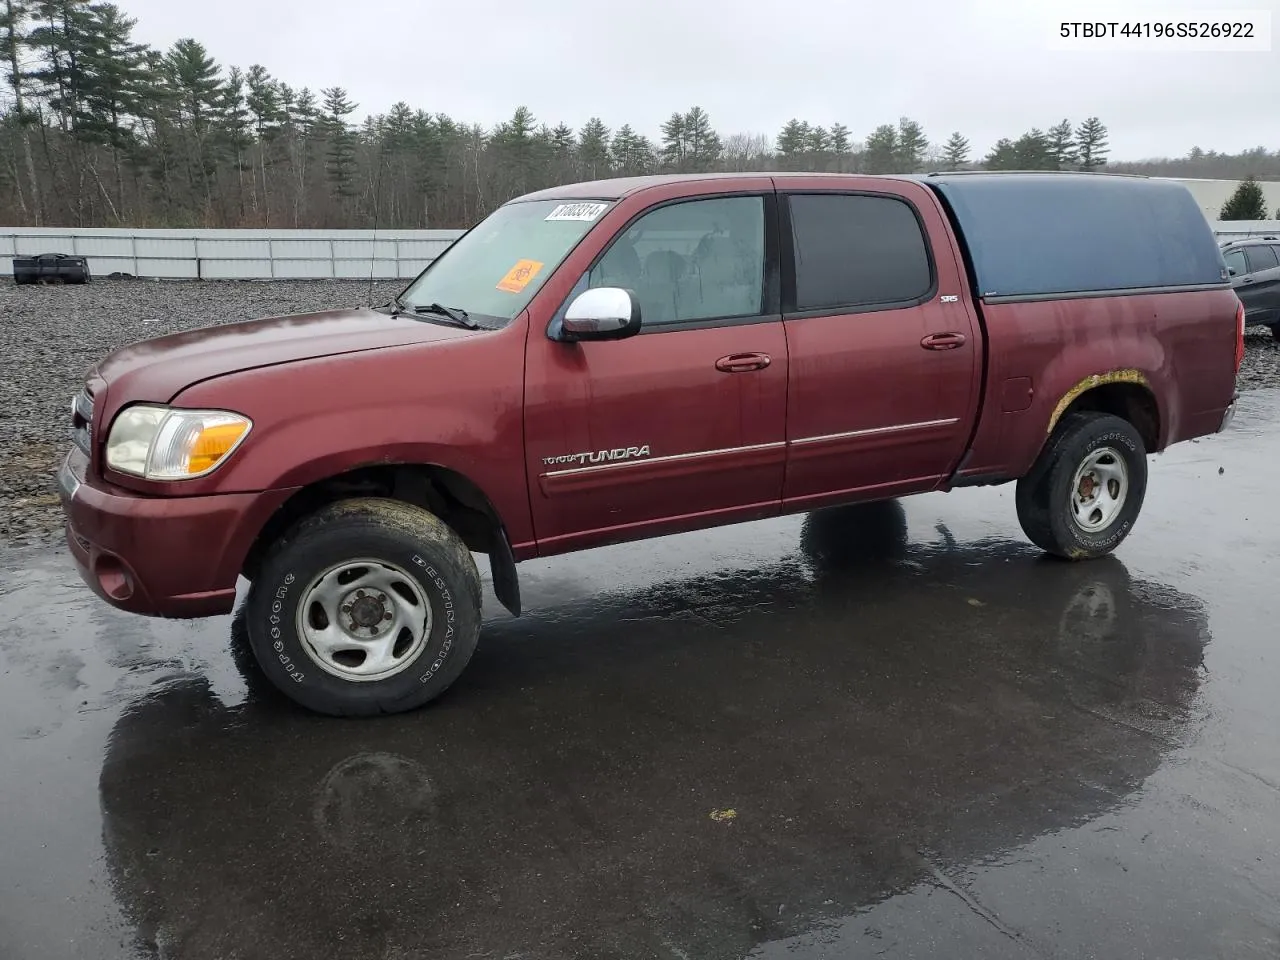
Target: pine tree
1032	151
593	149
1003	156
516	149
1091	144
955	153
62	41
235	128
14	23
912	145
840	142
1247	203
268	114
793	140
703	143
195	79
675	146
632	154
1062	145
841	147
819	142
882	150
340	160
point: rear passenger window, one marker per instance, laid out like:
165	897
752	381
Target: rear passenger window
857	251
1262	258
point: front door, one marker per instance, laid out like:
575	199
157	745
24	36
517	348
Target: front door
1261	286
884	348
683	424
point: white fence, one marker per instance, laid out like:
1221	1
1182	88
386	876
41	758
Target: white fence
1236	229
288	254
234	254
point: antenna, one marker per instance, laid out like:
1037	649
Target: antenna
377	207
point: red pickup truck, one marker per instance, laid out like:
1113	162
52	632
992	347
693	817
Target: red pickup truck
629	358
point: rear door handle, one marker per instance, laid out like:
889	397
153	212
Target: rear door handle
743	362
943	341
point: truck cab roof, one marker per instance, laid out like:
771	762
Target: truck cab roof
615	188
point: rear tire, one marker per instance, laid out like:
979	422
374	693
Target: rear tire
368	606
1275	331
1085	491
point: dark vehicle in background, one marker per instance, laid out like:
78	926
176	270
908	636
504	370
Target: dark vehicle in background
622	359
1254	266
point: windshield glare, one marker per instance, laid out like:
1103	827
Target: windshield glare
495	270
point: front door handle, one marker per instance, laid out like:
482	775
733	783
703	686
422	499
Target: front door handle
743	362
943	341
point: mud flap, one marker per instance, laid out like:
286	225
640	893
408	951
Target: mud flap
502	564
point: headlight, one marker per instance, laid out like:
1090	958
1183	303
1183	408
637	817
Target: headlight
163	444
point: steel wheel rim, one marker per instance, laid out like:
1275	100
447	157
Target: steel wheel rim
1099	490
364	620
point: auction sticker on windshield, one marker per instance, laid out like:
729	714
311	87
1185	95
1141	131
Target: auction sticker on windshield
518	277
578	211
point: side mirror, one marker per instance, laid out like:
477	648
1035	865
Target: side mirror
602	313
1232	271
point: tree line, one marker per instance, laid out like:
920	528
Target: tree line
100	130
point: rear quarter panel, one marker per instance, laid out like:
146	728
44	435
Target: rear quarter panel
1181	346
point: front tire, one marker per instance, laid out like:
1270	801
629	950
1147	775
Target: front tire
368	606
1084	493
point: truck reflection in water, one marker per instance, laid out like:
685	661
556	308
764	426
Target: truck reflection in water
695	768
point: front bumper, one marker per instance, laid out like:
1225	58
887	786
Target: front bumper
160	556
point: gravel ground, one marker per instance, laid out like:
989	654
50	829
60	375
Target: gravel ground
52	335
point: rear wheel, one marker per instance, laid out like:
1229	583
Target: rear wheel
368	606
1275	331
1084	494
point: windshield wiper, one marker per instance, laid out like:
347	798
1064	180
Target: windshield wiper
454	314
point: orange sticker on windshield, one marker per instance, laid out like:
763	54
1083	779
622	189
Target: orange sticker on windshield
518	277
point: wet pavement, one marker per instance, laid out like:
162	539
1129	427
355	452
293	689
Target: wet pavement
892	730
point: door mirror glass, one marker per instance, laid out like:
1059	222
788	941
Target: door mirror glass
602	313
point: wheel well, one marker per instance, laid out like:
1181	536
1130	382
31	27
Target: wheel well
447	494
1129	401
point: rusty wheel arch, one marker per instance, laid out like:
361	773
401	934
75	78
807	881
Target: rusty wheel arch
1123	393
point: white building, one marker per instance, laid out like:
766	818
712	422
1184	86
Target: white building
1212	194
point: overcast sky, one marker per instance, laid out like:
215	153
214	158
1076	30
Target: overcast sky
983	67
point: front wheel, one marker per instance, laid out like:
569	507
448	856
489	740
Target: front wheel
368	606
1083	496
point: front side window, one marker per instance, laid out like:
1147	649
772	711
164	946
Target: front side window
495	270
693	260
1235	262
857	251
1262	257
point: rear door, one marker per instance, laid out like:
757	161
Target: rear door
681	425
884	349
1262	284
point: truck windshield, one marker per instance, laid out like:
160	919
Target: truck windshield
495	270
